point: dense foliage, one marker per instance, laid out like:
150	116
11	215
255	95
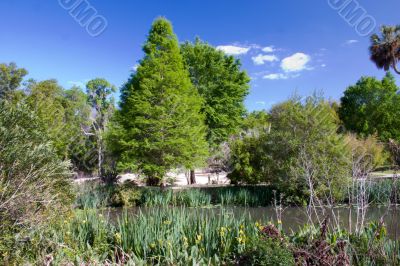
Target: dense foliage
372	107
10	79
301	140
159	126
185	236
34	183
223	86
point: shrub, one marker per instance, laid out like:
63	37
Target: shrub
302	140
34	183
266	252
368	152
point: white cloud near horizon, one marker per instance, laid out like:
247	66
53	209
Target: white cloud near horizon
233	50
261	59
351	41
275	76
295	63
268	49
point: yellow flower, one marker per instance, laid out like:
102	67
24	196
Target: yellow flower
241	239
160	242
166	222
185	242
198	239
222	231
153	245
279	222
118	238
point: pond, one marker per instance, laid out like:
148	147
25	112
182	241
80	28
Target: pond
293	217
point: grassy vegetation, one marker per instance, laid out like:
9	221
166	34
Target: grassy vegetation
93	195
183	236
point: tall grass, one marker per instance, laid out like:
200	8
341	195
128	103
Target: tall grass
187	236
93	195
175	234
97	196
167	236
382	192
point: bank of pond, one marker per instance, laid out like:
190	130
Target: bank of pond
95	195
203	236
248	225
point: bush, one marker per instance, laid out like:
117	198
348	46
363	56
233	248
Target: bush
266	252
368	152
302	140
34	183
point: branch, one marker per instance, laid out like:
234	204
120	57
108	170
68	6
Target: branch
87	133
395	68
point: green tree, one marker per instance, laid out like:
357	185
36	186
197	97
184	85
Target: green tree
46	99
160	124
81	148
223	85
301	136
65	115
10	79
372	107
100	98
385	49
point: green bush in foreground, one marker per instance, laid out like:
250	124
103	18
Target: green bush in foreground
34	184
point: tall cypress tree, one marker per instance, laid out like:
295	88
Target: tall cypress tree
159	120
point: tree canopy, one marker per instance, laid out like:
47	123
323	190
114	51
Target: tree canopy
160	124
223	85
372	107
385	49
10	79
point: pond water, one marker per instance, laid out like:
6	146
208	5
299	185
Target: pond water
295	217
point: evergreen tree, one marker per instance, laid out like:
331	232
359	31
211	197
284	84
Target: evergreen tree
159	122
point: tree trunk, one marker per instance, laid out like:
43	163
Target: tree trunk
192	177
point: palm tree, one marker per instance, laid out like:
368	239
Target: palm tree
385	49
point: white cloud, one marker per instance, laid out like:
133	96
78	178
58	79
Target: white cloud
261	103
276	76
261	59
295	63
323	65
350	42
233	50
268	49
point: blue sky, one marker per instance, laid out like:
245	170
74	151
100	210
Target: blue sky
286	46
